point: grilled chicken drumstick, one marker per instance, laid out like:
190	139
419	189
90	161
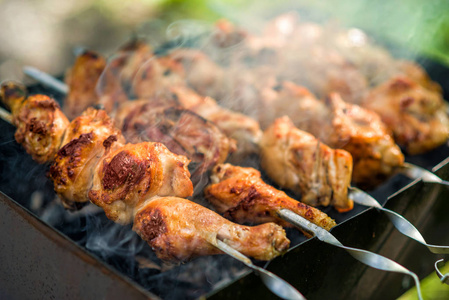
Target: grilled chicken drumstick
178	229
241	195
125	180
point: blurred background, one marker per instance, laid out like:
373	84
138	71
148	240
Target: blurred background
44	33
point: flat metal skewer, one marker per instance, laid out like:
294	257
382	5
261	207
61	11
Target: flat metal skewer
369	258
401	224
444	278
414	172
46	79
274	283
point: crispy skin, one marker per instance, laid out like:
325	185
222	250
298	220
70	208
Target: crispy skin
182	131
135	172
178	230
40	126
87	139
416	115
82	79
241	195
296	160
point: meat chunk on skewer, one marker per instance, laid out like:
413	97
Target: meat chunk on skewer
245	130
181	130
296	160
179	230
241	195
87	138
82	79
417	116
40	122
134	173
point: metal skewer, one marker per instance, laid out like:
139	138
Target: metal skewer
46	79
415	172
401	224
369	258
444	278
274	283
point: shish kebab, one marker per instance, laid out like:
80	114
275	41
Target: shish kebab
90	161
161	221
144	182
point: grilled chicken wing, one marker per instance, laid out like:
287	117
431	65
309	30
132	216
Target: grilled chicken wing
178	230
416	115
240	195
296	160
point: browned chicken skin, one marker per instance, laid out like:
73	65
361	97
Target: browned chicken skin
296	160
86	140
178	230
134	173
241	195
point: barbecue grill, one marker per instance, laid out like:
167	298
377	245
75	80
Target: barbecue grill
48	252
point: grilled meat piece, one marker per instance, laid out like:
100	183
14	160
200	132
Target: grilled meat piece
245	130
241	195
416	115
82	79
85	142
178	230
182	131
296	160
131	174
39	120
156	75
